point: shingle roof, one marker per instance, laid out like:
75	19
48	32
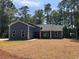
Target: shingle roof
51	27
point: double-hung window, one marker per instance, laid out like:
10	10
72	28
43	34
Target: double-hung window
13	33
23	33
56	34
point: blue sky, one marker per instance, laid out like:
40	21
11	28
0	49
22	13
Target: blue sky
35	4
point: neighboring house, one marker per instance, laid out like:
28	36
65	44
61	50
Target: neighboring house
20	30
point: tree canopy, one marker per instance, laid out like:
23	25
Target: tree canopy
67	14
6	13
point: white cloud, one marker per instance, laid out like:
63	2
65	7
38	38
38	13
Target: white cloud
30	3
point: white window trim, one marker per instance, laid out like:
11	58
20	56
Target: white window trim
13	34
23	33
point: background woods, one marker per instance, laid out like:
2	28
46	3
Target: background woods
66	15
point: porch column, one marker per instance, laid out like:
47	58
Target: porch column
50	35
28	33
9	32
40	34
61	34
76	34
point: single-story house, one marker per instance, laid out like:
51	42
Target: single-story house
20	30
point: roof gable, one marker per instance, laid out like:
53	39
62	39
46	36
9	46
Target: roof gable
17	22
22	23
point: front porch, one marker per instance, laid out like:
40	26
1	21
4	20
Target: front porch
50	34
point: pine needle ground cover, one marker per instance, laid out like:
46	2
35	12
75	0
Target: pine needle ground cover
42	49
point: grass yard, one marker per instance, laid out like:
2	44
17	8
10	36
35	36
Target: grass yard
40	49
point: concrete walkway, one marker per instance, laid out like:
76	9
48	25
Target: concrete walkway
4	39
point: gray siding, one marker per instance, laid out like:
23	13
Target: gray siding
31	32
18	27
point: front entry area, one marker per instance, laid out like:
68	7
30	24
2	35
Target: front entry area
45	35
